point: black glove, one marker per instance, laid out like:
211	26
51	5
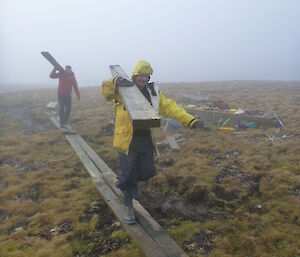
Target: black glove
123	82
198	124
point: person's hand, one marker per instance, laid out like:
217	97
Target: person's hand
198	124
123	83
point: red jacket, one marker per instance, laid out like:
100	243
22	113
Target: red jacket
66	82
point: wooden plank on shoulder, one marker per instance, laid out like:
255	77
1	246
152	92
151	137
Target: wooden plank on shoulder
140	110
51	59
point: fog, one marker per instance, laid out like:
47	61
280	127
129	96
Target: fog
189	41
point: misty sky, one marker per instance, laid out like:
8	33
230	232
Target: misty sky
183	40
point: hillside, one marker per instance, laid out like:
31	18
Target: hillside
222	194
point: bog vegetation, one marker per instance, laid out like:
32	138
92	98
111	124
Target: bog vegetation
222	194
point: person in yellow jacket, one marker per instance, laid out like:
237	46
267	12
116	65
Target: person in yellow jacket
136	146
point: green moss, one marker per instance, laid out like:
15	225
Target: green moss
93	223
182	231
294	168
11	249
35	224
120	234
81	246
81	230
130	251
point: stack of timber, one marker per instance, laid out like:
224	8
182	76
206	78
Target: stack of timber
141	113
146	232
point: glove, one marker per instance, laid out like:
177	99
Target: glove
123	83
198	124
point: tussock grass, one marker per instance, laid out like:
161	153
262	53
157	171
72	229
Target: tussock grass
45	188
240	189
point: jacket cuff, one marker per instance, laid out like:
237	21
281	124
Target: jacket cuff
191	123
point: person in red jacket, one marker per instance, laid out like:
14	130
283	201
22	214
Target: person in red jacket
67	80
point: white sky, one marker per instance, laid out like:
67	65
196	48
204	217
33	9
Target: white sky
194	40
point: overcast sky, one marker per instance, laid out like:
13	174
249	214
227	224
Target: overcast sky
183	40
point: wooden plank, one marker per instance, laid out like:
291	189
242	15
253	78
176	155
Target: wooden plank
208	115
101	165
51	105
50	58
157	232
140	110
117	71
159	235
137	232
173	144
141	237
67	130
87	163
54	121
143	217
147	233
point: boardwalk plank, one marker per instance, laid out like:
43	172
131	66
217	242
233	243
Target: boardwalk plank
147	233
143	217
141	237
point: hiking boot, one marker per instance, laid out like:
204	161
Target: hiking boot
137	194
129	217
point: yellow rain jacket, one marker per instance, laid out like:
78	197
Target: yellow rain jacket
123	127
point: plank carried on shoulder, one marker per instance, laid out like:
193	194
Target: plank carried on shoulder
140	110
51	59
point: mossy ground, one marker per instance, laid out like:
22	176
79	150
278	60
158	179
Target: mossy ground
49	206
222	194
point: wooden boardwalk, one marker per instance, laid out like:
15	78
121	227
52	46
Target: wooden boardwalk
146	232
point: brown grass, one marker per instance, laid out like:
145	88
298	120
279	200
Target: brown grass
44	185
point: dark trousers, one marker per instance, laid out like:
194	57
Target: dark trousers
64	102
138	165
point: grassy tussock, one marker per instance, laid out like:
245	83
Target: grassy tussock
241	189
45	188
